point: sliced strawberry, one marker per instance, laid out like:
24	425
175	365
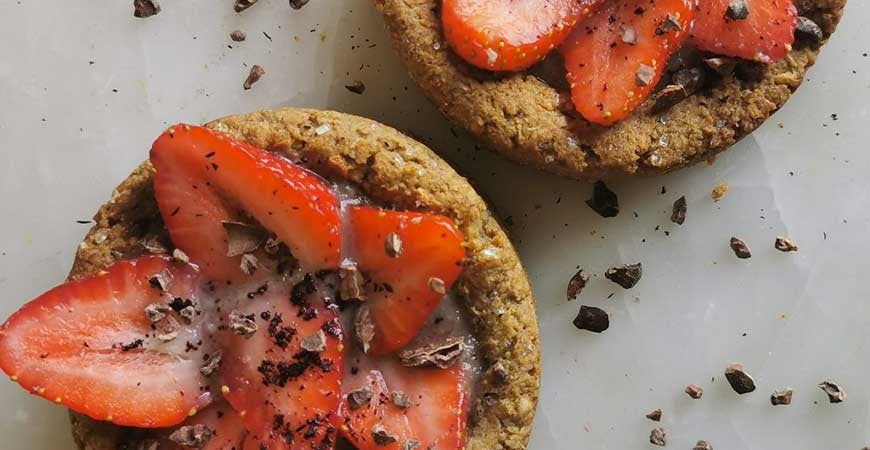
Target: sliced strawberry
287	395
615	58
89	346
435	418
225	429
204	177
510	34
413	280
765	34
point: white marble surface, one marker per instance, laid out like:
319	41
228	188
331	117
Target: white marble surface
793	319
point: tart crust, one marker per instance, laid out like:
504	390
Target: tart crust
394	170
519	116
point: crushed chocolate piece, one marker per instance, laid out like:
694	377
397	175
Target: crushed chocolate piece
703	445
672	23
719	191
658	437
191	436
437	286
644	75
393	245
836	394
441	355
400	399
807	30
501	374
211	364
241	5
332	327
722	66
299	297
411	444
694	391
156	312
315	342
669	96
179	255
655	415
782	397
254	76
249	264
241	324
279	373
187	313
603	201
273	246
238	36
741	250
133	345
298	4
784	244
678	216
242	237
690	78
359	397
281	334
167	329
628	34
592	319
576	284
350	282
737	10
626	276
739	379
357	87
153	244
161	280
364	327
145	8
381	436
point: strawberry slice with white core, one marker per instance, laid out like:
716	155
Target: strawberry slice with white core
412	260
204	178
89	346
760	30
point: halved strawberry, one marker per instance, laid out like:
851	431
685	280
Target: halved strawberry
615	58
89	346
762	31
284	380
434	415
204	177
413	258
510	34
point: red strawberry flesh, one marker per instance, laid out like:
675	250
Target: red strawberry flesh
765	35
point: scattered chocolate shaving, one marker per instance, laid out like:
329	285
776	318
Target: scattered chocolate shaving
782	397
315	342
350	282
576	284
241	324
437	285
279	373
807	30
357	87
655	415
254	76
179	255
211	365
739	379
280	333
364	327
703	445
669	96
242	5
242	237
156	312
273	246
737	10
603	200
400	399
836	394
191	436
626	276
592	319
678	216
741	250
672	23
411	444
657	437
694	391
133	345
628	34
238	36
359	397
393	245
298	4
719	191
249	264
187	313
153	245
145	8
381	436
160	280
722	66
784	244
167	329
644	75
441	355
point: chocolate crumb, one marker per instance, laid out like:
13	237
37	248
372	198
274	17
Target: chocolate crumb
256	73
248	264
156	312
628	34
145	8
364	327
741	250
592	319
161	280
359	398
691	79
153	245
720	65
694	391
242	237
678	216
298	4
238	36
836	394
669	96
400	399
784	244
719	191
381	436
603	201
737	10
242	5
350	282
179	255
211	365
191	436
807	30
241	324
393	245
576	284
187	313
357	87
441	355
739	379
133	345
437	286
411	444
657	437
703	445
644	75
626	276
782	397
672	23
655	415
315	342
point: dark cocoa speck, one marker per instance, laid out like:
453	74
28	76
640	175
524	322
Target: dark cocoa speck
145	8
737	10
658	437
741	250
808	31
694	391
781	397
357	87
739	379
256	73
603	201
238	36
576	284
654	415
192	436
626	276
592	319
784	244
836	394
678	215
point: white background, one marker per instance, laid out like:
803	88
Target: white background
793	319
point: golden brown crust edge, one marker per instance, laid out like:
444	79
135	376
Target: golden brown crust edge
519	115
396	170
